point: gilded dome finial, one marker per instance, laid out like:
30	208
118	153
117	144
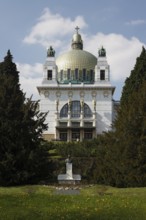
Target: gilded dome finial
77	29
77	42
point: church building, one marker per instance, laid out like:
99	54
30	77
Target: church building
77	93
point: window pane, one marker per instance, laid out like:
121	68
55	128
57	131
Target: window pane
64	111
84	74
88	134
92	75
49	76
75	135
63	136
75	109
87	111
76	74
102	74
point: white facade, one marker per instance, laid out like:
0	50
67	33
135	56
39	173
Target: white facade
77	92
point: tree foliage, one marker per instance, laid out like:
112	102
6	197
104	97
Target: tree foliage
22	156
136	78
130	124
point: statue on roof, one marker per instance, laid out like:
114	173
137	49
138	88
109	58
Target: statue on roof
50	52
102	52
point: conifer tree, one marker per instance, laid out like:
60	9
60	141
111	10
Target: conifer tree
22	158
136	78
130	124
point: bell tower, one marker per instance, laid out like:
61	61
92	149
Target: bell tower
102	69
50	68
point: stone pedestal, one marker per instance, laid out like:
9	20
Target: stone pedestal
69	177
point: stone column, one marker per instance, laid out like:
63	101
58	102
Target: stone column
94	113
57	119
68	134
69	113
81	134
82	113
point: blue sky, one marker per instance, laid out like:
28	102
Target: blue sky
29	27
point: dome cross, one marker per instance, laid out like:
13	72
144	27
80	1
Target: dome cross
77	29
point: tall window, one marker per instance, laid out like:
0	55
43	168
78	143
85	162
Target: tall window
75	109
76	74
68	74
91	75
49	75
84	74
102	74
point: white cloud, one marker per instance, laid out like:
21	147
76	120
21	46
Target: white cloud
30	71
52	28
136	22
30	78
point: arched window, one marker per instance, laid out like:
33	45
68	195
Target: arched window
87	111
64	111
75	109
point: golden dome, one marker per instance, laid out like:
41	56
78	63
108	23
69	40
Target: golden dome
76	65
76	59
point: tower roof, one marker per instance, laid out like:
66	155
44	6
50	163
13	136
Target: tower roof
77	58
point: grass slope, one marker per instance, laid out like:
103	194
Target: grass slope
96	202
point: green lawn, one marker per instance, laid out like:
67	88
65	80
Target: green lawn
96	202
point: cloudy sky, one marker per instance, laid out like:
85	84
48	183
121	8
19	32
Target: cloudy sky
29	27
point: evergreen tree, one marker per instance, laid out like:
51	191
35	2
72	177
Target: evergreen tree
132	85
22	157
137	76
130	124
